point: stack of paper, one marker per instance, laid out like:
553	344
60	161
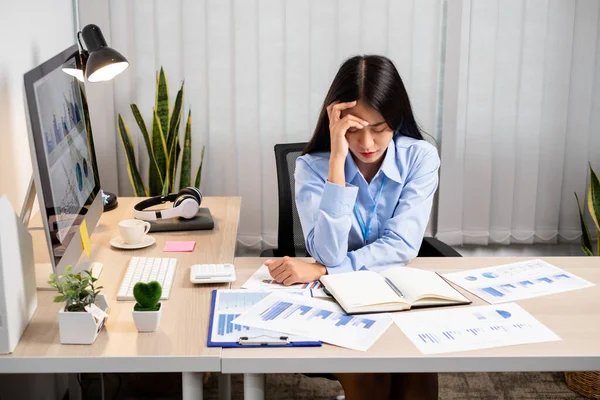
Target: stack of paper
227	306
315	318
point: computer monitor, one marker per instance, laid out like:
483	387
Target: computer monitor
63	158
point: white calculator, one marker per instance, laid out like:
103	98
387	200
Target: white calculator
212	273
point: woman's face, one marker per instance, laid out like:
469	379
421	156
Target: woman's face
368	145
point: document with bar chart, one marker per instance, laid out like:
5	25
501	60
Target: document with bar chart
262	280
471	328
228	305
320	319
516	281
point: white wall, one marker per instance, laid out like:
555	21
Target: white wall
32	31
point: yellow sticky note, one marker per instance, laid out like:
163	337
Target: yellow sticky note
85	238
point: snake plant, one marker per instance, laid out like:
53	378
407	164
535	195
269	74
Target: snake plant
593	206
166	157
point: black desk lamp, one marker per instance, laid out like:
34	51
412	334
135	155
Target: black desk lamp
97	63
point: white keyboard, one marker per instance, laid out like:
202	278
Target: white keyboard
146	269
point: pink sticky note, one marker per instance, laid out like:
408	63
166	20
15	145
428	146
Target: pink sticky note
179	246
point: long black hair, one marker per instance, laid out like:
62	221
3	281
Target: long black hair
376	81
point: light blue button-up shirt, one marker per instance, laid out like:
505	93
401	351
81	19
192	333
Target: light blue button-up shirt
332	231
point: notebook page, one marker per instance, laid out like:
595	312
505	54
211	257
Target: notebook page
359	288
416	283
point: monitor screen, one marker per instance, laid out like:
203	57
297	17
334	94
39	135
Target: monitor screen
63	157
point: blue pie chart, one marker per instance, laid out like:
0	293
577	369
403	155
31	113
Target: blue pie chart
490	274
503	314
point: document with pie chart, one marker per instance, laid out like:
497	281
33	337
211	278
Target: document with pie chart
471	328
516	281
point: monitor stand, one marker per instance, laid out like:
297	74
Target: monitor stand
43	271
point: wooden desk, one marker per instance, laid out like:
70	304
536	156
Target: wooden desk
180	343
574	316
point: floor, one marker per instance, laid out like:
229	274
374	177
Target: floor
463	386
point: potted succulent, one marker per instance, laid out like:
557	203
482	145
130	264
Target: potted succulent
147	309
85	310
587	383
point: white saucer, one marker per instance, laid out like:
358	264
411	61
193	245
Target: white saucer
118	242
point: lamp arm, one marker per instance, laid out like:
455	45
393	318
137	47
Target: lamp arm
83	49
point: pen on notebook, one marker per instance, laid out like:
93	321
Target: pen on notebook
389	282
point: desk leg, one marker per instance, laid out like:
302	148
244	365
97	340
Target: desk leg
254	386
74	388
224	387
192	385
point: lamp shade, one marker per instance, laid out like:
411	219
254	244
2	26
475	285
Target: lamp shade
74	65
103	63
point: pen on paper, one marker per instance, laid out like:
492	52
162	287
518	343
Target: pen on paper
389	282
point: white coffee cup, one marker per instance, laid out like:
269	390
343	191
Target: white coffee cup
133	230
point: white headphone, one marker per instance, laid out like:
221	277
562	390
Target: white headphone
186	204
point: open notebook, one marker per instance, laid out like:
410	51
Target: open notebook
395	289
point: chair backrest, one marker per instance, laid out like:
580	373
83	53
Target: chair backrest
289	232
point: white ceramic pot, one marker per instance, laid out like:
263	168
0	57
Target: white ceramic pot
147	321
81	327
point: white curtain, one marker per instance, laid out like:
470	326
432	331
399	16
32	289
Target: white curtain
256	73
521	119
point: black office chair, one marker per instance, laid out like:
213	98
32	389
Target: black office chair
290	239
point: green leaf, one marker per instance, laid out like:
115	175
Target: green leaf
134	176
186	158
198	179
175	120
155	178
594	197
147	295
586	240
173	136
162	102
159	147
59	299
173	161
165	188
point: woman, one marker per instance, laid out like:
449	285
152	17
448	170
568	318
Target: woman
364	188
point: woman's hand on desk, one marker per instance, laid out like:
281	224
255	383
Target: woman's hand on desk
289	270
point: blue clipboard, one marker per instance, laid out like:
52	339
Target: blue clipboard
231	335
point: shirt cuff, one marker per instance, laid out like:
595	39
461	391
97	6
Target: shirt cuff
345	266
338	200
